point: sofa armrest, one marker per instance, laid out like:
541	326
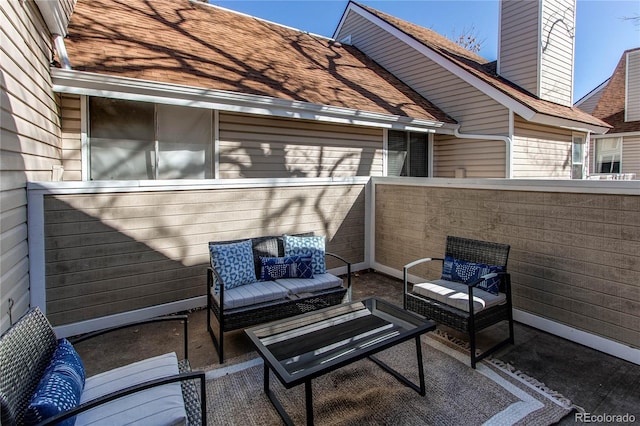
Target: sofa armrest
183	318
212	276
197	375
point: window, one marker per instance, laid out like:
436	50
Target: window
577	157
607	155
137	140
407	154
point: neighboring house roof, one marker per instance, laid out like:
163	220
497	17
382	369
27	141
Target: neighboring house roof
194	44
589	101
611	105
484	70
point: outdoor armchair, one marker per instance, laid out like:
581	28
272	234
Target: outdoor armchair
472	293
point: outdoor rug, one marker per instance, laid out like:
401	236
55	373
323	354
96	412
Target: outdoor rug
362	393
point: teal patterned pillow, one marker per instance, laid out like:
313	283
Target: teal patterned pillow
234	263
60	387
307	246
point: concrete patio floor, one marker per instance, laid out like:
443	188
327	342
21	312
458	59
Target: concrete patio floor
599	383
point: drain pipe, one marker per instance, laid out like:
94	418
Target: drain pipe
58	41
506	139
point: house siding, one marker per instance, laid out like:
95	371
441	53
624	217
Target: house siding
558	32
541	152
30	141
632	98
573	255
631	155
518	43
71	119
536	47
108	253
478	158
261	147
476	111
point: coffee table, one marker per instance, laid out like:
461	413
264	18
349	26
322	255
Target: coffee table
301	348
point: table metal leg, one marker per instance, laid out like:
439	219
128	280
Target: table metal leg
274	400
308	394
420	389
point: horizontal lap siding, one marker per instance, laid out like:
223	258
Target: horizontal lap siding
631	155
541	151
477	112
519	44
479	158
112	253
71	136
258	147
573	256
30	135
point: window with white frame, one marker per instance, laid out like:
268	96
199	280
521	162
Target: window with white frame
577	157
131	140
407	154
607	156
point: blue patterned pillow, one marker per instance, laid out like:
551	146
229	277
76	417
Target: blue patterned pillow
307	246
468	272
234	263
60	387
274	268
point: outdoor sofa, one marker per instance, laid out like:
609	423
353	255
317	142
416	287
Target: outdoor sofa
257	280
472	293
42	381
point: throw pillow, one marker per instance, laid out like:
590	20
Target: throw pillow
467	272
60	387
234	263
274	268
307	246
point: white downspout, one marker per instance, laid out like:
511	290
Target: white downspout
506	139
58	40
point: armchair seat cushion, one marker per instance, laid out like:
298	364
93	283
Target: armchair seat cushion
310	285
251	294
456	295
162	405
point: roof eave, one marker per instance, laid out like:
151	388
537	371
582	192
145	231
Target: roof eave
110	86
568	124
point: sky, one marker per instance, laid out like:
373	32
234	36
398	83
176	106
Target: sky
603	28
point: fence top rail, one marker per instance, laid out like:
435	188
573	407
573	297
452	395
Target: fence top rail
615	187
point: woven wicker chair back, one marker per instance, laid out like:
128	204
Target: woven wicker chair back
25	351
477	251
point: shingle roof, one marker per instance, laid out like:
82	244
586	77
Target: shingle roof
483	69
610	107
194	44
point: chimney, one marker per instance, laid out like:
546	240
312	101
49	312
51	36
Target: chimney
536	47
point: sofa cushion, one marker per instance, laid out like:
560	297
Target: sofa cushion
250	294
234	263
313	246
468	272
302	285
274	268
456	294
161	405
60	387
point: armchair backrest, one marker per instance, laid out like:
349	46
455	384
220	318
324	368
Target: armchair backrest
25	352
478	251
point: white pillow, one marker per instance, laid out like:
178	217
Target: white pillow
161	405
